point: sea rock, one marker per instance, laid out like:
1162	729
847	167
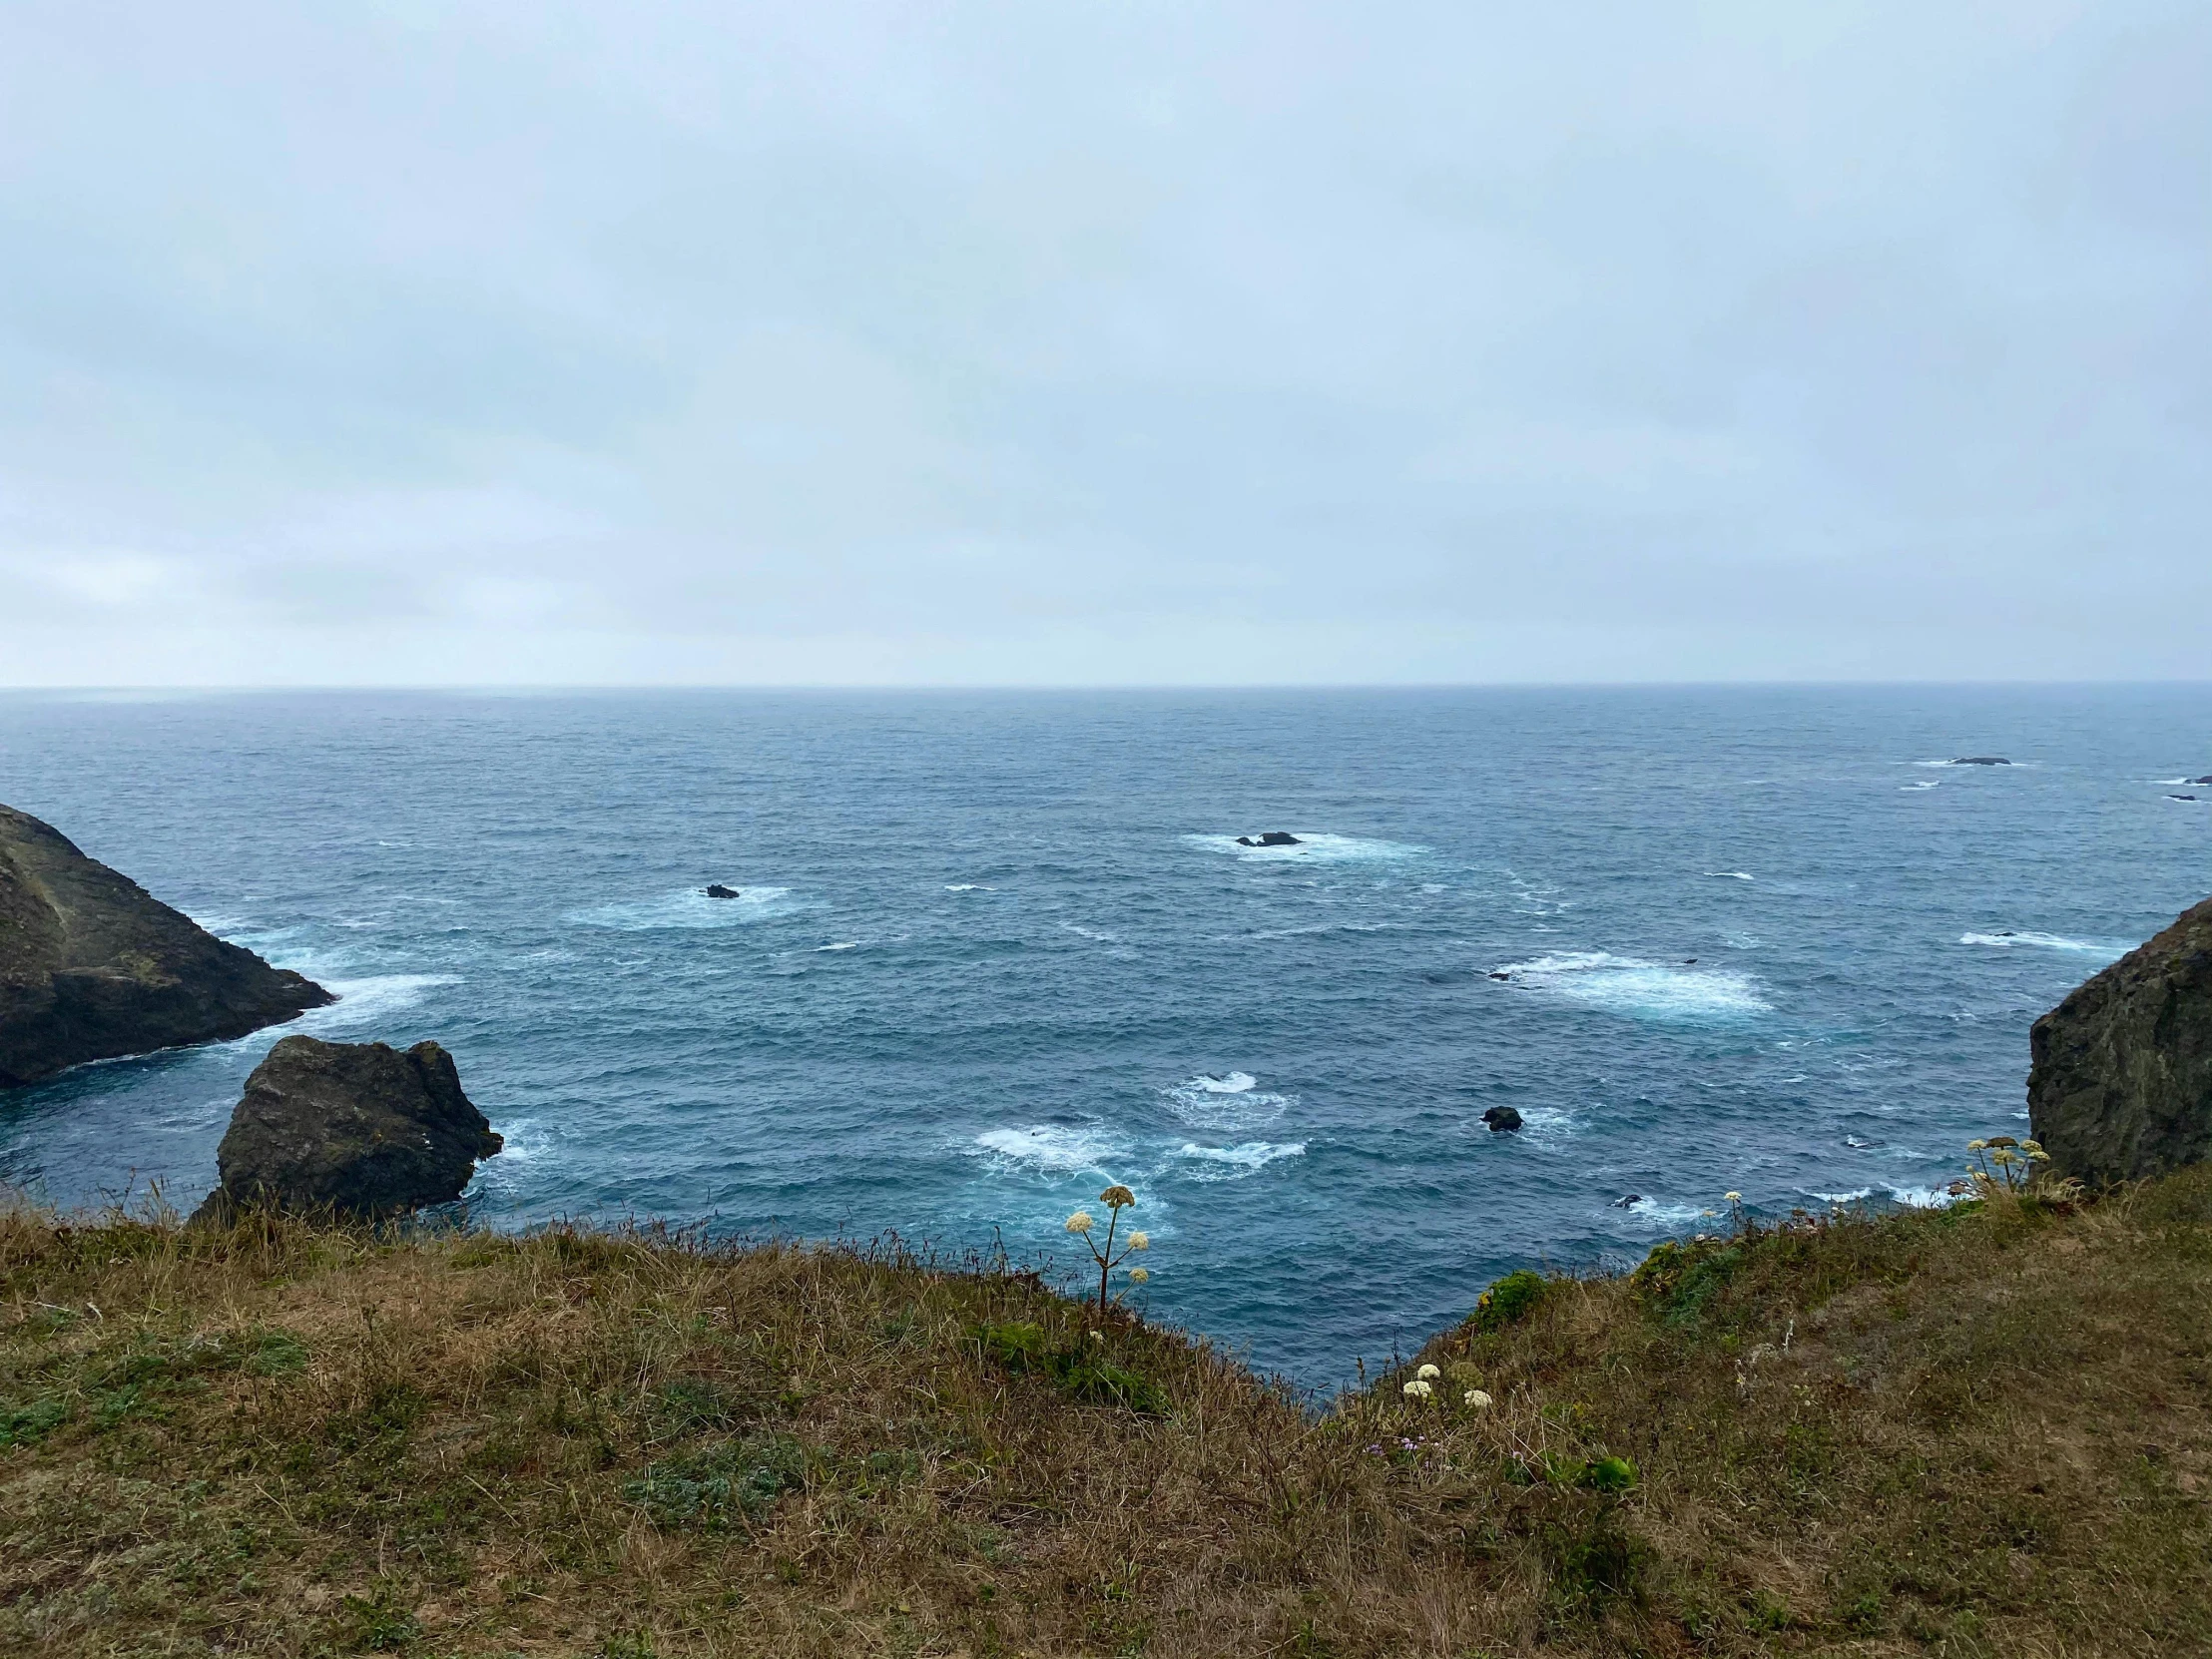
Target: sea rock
715	889
1272	838
2206	779
93	967
2120	1085
360	1129
1503	1119
1981	760
2181	798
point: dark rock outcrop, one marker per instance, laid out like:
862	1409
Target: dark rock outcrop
2206	779
1502	1119
1981	760
2121	1081
360	1129
715	889
93	967
1272	838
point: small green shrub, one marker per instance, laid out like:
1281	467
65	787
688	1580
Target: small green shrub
1510	1300
27	1424
721	1486
1678	1280
1085	1372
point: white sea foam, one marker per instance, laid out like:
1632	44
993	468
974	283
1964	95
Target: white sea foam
1236	1082
1731	875
1643	990
370	998
1659	1213
968	887
1230	1163
1098	933
2046	941
1233	1102
1312	849
842	945
1052	1149
1923	1198
689	907
1923	783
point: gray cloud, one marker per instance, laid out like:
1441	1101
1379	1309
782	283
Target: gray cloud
1103	341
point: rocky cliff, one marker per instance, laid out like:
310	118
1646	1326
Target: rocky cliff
92	966
2121	1081
360	1129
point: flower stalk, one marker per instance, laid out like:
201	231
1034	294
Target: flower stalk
1116	1198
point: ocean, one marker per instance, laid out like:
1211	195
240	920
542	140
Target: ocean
994	950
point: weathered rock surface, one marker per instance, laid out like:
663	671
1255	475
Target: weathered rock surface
93	967
2121	1081
357	1128
1503	1119
1272	838
1981	760
715	889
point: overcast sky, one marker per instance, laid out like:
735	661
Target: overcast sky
1085	341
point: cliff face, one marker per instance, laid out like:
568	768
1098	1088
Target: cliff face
2121	1082
92	966
360	1128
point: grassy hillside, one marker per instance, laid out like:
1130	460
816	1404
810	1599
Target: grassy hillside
1979	1431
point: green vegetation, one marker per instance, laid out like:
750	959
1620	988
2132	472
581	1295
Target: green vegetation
1978	1431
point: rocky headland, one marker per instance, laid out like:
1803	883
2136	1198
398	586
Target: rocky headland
2120	1085
93	967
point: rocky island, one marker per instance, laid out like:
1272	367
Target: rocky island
356	1130
93	967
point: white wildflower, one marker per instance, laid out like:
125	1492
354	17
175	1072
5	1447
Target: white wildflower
1140	1241
1080	1222
1479	1400
1428	1372
1418	1390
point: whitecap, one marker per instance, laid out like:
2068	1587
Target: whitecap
370	998
1098	933
1923	783
1661	1214
1233	1102
1230	1163
1643	990
1731	875
2045	941
842	945
968	887
1312	849
1924	1198
1052	1149
688	907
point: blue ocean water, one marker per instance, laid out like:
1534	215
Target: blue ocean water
997	950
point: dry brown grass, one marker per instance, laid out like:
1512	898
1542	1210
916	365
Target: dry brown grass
1979	1432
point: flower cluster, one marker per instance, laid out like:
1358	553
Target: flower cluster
1116	1198
2001	1163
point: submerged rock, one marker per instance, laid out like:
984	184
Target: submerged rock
2206	779
93	967
2120	1085
1981	760
715	889
360	1129
1272	838
1503	1119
